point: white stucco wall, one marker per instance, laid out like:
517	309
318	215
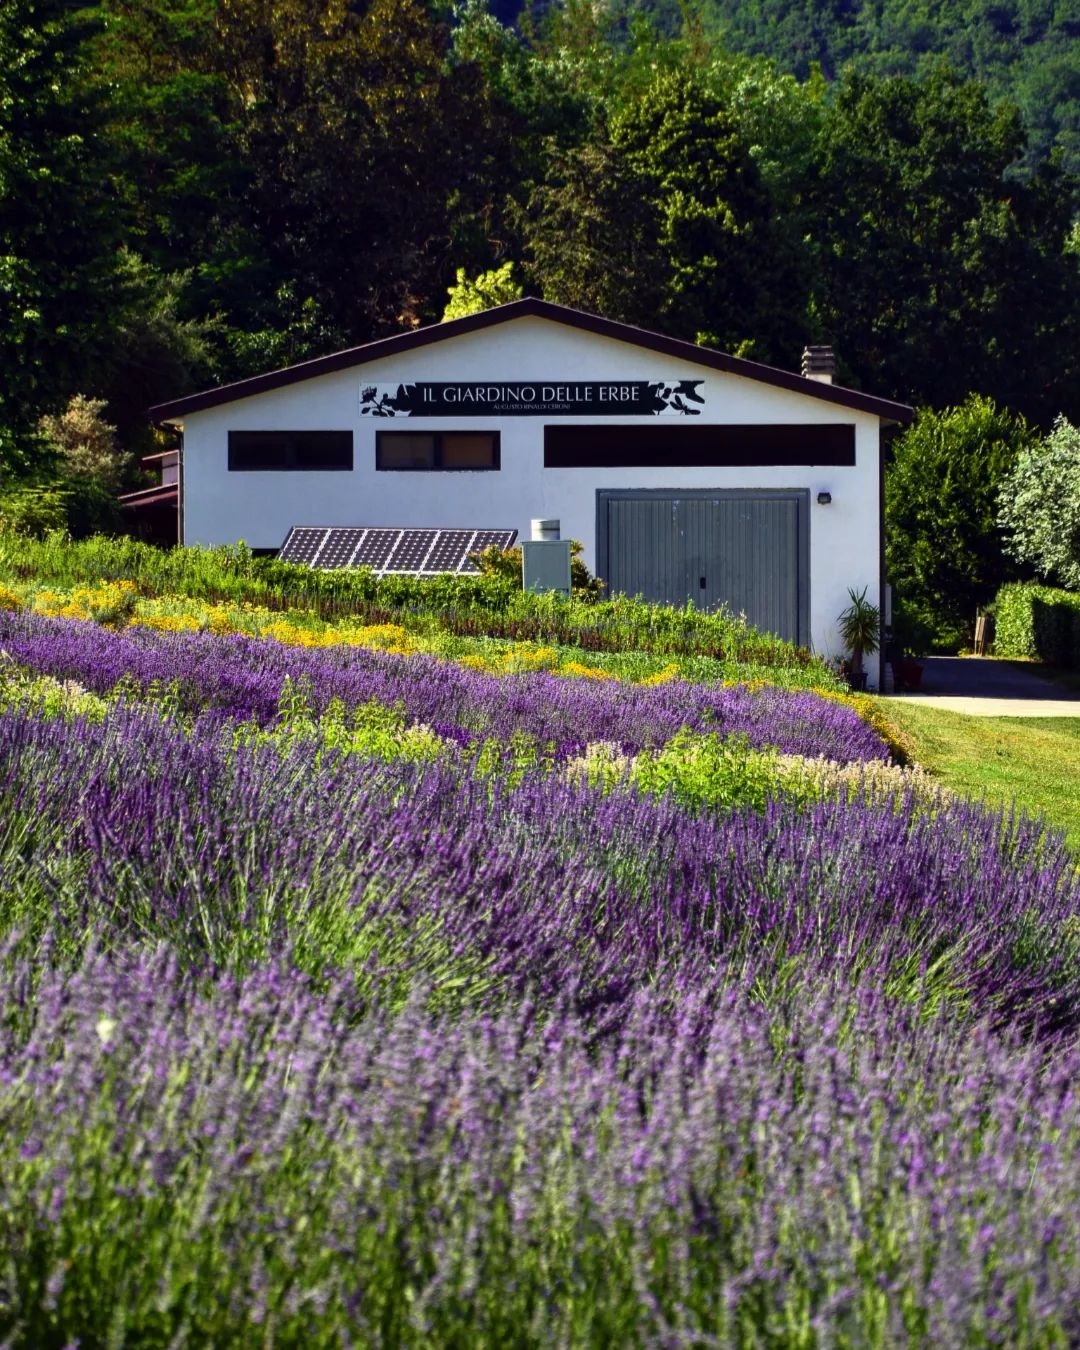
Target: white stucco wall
223	507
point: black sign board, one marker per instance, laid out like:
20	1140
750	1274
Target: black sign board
535	398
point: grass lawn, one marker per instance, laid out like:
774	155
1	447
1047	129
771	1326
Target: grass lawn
1032	760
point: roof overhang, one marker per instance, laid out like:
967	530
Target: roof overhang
531	307
165	495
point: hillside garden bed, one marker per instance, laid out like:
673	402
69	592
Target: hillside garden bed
366	996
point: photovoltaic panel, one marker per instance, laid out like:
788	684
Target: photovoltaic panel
411	551
451	550
482	539
493	539
416	552
375	551
339	548
302	545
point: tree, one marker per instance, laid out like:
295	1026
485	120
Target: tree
497	287
664	221
86	444
1040	506
60	218
937	272
367	144
590	236
154	352
944	547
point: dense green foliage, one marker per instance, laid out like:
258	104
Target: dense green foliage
1038	622
663	220
471	295
1023	50
58	216
939	276
1040	506
943	547
192	191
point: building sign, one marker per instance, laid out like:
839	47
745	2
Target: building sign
608	398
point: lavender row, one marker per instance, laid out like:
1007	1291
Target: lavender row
244	677
246	1164
552	887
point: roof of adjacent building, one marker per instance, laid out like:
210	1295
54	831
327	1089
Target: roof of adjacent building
531	307
169	495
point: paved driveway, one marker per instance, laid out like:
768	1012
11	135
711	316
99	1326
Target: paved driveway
990	688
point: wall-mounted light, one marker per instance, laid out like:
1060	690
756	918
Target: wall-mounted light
824	498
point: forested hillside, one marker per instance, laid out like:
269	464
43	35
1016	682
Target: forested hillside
194	190
1027	51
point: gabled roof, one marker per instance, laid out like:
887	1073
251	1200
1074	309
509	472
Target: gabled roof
541	309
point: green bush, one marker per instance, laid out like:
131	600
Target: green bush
34	510
1040	506
943	544
1038	622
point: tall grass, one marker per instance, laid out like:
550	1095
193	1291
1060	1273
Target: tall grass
491	605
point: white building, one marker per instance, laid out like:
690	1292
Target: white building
686	474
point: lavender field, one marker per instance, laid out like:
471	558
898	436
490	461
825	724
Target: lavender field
343	1006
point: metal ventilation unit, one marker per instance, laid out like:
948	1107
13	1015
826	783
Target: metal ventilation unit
416	552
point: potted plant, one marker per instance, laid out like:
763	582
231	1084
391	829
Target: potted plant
860	629
911	637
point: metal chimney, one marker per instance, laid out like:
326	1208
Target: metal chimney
819	363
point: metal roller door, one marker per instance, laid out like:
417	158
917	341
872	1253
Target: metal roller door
746	550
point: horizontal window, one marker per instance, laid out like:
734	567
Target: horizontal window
660	446
445	450
252	451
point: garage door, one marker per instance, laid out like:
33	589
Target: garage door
746	550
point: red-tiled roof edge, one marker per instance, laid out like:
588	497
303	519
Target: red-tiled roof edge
532	307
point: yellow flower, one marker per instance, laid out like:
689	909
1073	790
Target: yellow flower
576	669
669	672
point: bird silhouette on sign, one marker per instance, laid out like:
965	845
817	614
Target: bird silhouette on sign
673	397
374	403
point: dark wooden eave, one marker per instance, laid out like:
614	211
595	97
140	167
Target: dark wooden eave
167	494
531	307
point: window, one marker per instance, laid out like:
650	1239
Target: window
251	451
445	450
658	445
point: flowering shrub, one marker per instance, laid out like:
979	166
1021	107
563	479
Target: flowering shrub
873	781
277	1161
351	996
243	678
111	604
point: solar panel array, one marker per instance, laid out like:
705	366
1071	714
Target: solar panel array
417	552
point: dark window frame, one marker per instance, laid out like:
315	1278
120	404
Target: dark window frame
437	467
239	441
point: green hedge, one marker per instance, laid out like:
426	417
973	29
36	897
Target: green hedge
1039	622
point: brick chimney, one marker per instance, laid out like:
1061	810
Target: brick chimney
819	363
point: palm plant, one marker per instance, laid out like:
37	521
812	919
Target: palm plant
860	628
